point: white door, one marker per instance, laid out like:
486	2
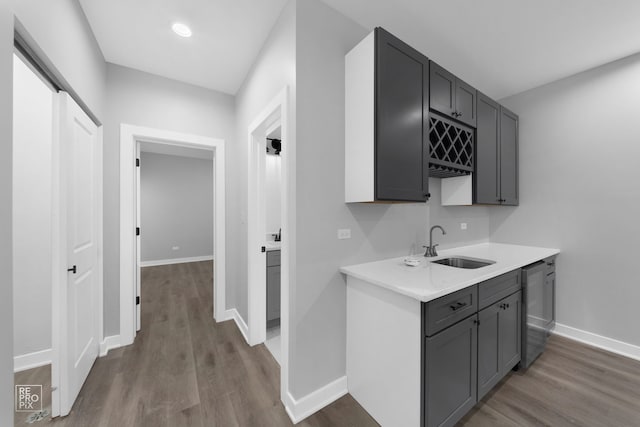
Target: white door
80	180
138	246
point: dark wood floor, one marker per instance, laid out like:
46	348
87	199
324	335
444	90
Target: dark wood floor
186	370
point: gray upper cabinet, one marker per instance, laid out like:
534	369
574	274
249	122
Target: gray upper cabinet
466	103
495	180
508	157
450	373
451	96
402	88
486	178
443	90
387	121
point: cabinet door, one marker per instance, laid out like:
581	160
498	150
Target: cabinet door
466	103
402	146
273	293
450	373
489	366
510	332
443	90
486	181
508	157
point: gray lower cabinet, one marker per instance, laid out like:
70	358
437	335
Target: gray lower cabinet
471	340
273	288
499	341
450	373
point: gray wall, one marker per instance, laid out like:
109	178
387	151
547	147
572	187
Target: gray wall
579	191
378	231
143	99
273	69
6	249
176	206
62	33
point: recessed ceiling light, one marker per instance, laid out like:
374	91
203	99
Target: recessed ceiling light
181	29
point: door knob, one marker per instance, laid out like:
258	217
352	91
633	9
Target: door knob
73	269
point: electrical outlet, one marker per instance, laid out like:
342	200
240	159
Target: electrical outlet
463	226
344	233
175	248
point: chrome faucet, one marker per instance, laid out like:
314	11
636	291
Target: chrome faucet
431	249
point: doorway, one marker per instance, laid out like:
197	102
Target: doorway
271	122
272	189
130	230
174	210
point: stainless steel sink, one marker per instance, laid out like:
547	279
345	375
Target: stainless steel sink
464	262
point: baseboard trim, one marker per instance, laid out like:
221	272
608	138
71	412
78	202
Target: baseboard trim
301	408
32	360
175	261
232	314
109	343
595	340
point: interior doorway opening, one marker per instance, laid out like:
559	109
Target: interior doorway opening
175	208
272	122
131	140
272	187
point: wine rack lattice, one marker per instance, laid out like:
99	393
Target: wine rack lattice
450	148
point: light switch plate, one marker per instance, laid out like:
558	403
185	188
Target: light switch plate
344	233
463	226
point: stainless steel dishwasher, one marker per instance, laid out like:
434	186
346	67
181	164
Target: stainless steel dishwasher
539	308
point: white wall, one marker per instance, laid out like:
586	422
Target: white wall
32	198
176	207
273	189
144	99
580	192
273	69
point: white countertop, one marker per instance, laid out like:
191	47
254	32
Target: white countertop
429	281
272	245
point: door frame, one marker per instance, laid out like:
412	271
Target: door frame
130	135
276	110
59	243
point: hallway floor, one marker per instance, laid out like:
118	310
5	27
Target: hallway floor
186	370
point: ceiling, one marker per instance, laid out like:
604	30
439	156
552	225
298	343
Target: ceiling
502	47
505	47
227	36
